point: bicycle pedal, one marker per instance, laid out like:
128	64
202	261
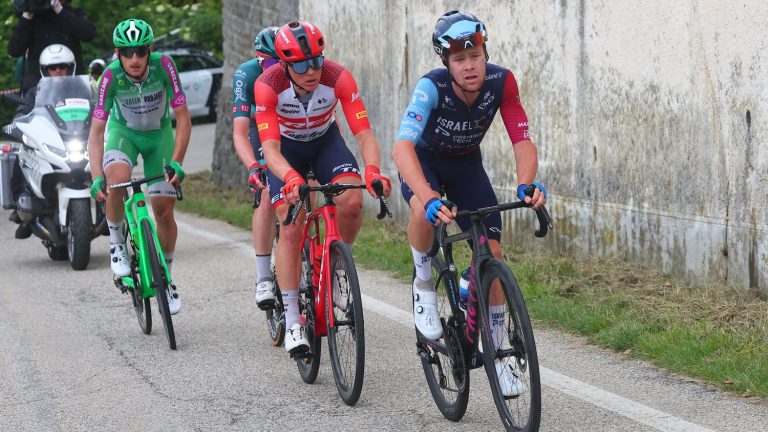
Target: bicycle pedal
266	305
120	285
301	355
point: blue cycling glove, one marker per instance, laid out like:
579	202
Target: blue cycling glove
523	188
432	207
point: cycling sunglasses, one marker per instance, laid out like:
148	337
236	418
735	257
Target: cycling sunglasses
128	52
57	66
267	62
302	67
457	45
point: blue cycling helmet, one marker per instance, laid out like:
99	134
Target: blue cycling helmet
458	30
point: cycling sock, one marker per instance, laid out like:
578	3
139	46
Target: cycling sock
168	260
423	264
263	267
291	303
116	235
497	324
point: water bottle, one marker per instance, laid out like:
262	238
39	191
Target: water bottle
464	288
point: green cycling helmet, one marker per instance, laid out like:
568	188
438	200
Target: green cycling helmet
132	33
264	43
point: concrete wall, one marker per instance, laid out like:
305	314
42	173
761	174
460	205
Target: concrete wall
648	118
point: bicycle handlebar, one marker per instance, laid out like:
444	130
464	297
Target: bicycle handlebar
333	189
257	197
545	221
138	182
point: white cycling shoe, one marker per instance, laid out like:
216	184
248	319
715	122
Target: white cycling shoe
118	260
296	340
510	384
425	314
265	295
174	302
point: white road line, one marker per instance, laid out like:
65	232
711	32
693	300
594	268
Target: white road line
602	398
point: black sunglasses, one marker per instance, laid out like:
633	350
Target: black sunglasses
57	66
128	52
303	66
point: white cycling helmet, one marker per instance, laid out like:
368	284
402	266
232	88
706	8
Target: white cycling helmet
54	55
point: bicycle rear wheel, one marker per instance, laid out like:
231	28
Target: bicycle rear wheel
514	358
346	340
443	360
309	364
276	316
159	283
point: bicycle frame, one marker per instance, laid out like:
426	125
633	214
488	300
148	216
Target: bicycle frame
327	212
134	218
481	253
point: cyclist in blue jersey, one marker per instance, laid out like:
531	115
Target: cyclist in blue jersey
437	151
248	148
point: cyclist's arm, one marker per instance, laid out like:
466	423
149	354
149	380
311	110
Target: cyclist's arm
183	132
423	101
357	117
269	128
96	147
179	106
242	100
516	122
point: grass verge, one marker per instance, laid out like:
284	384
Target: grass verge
709	332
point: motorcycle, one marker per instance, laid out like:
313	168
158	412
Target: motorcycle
53	158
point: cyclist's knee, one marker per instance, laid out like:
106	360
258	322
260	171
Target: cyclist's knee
163	209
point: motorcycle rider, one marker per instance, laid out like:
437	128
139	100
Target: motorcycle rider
56	60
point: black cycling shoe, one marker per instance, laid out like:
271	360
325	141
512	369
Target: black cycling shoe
23	231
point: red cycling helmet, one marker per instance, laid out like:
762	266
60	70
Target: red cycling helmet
298	41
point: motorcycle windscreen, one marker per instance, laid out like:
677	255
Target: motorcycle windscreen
66	101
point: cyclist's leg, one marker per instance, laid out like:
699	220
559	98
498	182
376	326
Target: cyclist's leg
262	224
426	315
287	256
156	150
120	155
335	163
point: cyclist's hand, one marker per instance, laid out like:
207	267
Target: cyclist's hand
438	210
178	173
290	190
98	189
254	174
534	194
372	173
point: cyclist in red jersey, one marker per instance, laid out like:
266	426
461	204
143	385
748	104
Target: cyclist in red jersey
294	116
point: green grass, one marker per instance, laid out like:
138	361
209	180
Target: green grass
709	332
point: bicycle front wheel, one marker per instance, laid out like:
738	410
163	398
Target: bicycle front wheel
509	349
346	339
159	282
443	360
309	364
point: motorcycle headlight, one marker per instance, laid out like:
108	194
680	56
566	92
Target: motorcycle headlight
75	151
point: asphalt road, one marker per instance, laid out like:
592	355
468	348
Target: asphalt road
72	358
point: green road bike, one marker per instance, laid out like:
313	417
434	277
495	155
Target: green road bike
149	274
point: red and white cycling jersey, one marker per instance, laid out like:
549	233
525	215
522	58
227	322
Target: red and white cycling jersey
279	112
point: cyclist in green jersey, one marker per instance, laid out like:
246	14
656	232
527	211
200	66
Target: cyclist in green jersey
248	148
134	94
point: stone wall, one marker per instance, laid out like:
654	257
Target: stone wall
648	118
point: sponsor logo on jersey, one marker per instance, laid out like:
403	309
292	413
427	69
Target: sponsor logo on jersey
361	114
355	97
322	100
419	96
289	111
493	76
234	109
263	126
181	100
245	108
415	116
487	99
409	133
261	108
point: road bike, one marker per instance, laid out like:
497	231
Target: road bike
504	349
330	303
149	274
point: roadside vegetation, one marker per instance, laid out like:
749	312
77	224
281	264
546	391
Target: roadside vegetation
709	332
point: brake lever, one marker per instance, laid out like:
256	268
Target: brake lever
378	188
